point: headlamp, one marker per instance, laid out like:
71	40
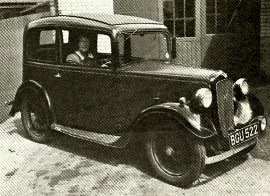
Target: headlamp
204	97
241	86
263	124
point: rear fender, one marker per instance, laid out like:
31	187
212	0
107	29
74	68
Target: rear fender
29	87
181	114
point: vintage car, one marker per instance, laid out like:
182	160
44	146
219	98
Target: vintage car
129	90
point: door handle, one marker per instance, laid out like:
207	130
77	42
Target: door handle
58	75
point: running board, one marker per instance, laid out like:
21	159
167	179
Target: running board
103	139
227	154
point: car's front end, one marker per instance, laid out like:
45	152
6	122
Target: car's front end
214	117
224	113
237	115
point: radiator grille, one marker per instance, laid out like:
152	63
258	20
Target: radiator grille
225	106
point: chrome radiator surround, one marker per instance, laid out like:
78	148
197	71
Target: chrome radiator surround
225	106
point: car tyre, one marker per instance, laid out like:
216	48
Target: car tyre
174	155
35	118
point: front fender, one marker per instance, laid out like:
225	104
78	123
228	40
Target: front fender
183	115
256	105
29	87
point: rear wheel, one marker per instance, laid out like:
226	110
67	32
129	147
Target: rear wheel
174	156
35	118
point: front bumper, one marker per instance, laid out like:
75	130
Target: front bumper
231	152
243	133
242	145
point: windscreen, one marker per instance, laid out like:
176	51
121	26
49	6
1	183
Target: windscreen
143	46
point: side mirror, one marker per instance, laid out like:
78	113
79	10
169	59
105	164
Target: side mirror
173	47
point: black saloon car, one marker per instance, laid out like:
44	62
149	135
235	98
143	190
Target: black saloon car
111	80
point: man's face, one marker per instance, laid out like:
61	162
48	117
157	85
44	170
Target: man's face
84	44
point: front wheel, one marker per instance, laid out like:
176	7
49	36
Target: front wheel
174	156
35	118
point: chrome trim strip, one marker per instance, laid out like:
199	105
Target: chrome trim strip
227	154
103	139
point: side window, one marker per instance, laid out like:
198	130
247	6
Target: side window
41	45
47	37
68	45
65	34
104	45
85	48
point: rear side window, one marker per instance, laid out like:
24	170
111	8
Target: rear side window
41	45
47	37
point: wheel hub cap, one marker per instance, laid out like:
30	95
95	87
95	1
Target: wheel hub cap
169	151
33	116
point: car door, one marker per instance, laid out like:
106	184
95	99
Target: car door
106	100
92	93
45	68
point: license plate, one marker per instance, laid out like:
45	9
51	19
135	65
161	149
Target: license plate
239	136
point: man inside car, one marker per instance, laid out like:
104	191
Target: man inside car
82	55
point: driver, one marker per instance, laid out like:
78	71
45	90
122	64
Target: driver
82	54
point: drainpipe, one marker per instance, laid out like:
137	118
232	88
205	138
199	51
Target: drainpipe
54	7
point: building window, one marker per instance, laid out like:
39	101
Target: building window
221	16
179	17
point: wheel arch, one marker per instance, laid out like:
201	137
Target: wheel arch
29	87
181	115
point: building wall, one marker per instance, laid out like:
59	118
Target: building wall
12	8
237	53
84	6
265	36
77	6
11	53
143	8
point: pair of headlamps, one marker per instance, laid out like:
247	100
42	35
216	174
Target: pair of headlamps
204	96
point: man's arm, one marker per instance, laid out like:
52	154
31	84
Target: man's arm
74	59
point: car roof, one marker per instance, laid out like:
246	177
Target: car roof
117	19
104	21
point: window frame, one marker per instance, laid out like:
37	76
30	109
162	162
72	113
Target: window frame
184	18
216	14
230	13
94	31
